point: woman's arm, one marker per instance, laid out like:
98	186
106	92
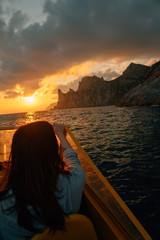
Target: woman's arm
59	130
70	187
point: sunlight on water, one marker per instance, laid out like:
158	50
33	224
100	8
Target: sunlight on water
29	117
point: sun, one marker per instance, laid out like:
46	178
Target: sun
29	99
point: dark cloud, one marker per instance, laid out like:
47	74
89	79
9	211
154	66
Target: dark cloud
74	32
11	94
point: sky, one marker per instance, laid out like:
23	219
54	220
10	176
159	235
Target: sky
51	44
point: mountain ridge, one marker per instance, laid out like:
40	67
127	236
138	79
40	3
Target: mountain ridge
139	85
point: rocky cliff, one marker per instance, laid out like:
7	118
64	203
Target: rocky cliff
137	84
51	106
147	93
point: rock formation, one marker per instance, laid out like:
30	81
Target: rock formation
147	93
138	85
51	106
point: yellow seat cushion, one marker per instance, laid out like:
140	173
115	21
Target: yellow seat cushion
78	227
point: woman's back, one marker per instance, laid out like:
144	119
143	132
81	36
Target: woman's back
42	188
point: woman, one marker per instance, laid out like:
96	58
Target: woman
42	187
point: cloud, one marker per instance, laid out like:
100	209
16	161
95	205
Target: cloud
65	87
152	61
11	94
108	74
74	32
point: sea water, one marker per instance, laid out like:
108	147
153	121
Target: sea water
124	143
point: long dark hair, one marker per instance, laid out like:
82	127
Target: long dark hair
35	166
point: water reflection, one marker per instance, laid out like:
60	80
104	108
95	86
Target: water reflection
29	117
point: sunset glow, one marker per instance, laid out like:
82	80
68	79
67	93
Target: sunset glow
29	99
40	56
